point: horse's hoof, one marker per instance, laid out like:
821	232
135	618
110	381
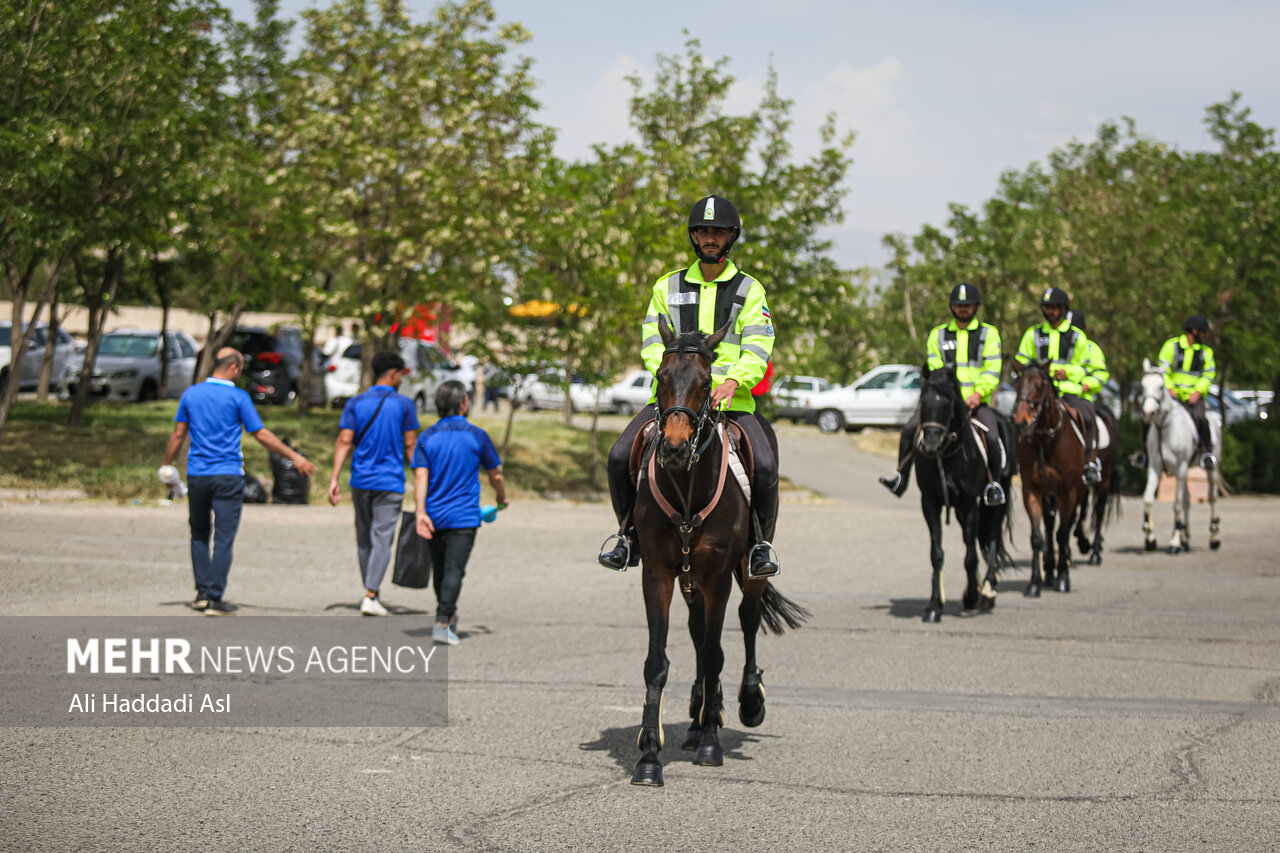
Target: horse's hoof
1150	544
1032	590
1084	546
1095	559
932	614
709	755
1174	550
692	738
749	719
1213	546
1062	584
986	604
970	601
648	773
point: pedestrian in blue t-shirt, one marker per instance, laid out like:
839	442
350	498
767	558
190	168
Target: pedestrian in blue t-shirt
213	413
446	495
382	425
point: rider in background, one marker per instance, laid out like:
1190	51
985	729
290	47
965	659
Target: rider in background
1188	365
1096	374
703	298
972	350
1064	349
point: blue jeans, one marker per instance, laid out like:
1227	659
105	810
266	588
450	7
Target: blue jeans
221	496
450	549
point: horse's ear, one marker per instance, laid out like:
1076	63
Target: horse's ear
716	337
664	329
1015	368
1146	365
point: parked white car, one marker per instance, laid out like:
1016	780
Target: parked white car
428	365
883	396
793	396
632	392
128	366
29	376
545	390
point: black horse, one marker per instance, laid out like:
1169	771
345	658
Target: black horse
702	546
952	472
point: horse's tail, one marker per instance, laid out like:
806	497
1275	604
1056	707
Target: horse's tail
777	612
1004	560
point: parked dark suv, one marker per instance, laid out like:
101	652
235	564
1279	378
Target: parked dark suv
273	364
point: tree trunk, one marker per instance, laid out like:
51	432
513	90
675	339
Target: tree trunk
96	300
304	383
216	339
162	294
50	349
19	341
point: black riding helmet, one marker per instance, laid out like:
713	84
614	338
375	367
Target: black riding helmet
1055	296
1078	320
965	293
716	212
1196	323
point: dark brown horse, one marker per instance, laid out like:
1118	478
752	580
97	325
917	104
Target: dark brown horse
693	528
1051	456
1105	497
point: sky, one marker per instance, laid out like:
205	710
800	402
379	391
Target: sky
943	96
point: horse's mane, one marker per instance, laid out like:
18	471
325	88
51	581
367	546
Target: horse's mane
947	386
692	342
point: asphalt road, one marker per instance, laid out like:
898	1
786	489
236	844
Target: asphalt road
1137	713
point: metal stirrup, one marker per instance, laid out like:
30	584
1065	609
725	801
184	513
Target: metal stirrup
768	546
993	495
626	545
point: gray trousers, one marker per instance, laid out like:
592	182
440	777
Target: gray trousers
377	516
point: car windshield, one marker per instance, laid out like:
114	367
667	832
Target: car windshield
136	346
881	381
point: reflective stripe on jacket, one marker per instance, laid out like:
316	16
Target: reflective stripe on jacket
1061	348
974	352
690	304
1187	367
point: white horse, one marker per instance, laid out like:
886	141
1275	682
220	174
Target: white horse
1171	448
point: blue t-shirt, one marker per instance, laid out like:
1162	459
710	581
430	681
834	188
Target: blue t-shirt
214	412
378	460
453	451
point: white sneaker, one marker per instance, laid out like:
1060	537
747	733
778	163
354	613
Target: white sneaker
442	635
372	607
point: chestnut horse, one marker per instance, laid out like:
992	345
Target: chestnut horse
701	546
1051	456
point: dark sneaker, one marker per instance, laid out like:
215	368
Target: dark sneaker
762	562
1208	462
1138	459
219	608
896	484
622	554
201	603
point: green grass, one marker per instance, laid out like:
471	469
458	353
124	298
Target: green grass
114	454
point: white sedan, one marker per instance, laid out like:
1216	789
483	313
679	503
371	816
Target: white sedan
632	392
546	391
883	396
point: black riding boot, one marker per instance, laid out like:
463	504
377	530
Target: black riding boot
1138	459
1207	460
762	560
1092	465
624	552
993	494
901	478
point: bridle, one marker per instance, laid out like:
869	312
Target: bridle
701	419
1037	408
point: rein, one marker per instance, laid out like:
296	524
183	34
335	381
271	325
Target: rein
685	519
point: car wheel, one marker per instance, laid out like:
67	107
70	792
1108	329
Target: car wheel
530	403
4	381
147	392
829	420
625	408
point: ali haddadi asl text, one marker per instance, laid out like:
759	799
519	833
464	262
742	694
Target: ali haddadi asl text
148	703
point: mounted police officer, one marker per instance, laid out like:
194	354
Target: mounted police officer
972	350
1096	374
1064	349
1189	368
704	297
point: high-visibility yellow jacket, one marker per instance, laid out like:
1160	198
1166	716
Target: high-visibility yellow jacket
973	350
1062	347
1095	371
690	303
1187	367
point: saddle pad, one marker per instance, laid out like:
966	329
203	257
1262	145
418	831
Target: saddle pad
1104	434
980	436
740	473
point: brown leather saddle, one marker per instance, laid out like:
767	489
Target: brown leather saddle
646	441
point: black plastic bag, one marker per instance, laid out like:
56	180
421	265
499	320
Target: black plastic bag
413	559
290	485
254	491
